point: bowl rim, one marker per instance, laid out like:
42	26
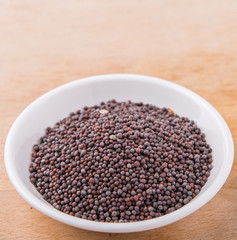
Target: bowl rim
131	226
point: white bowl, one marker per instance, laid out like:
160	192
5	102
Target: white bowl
58	103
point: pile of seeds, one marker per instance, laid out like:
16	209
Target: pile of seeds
121	162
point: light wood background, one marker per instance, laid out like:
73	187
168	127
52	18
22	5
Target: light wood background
44	44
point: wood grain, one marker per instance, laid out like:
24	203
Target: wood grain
44	44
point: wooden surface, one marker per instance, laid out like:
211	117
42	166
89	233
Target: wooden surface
44	44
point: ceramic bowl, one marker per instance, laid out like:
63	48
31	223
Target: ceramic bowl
59	102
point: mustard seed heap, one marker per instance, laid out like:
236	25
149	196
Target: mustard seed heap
121	162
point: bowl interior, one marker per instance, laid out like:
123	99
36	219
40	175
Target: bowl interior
57	104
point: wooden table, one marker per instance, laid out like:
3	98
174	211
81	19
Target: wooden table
44	44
